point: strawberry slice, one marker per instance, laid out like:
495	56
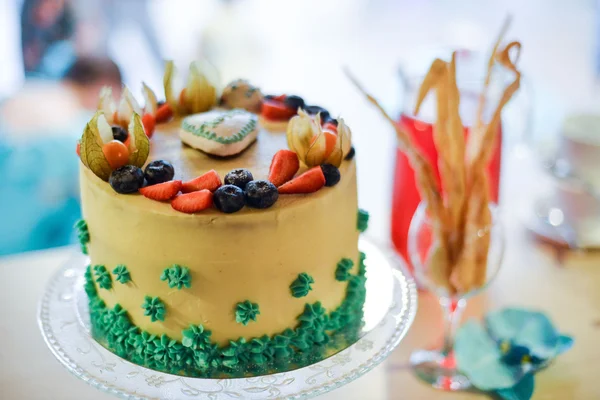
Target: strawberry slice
190	203
163	113
276	110
284	166
162	191
149	123
209	180
309	182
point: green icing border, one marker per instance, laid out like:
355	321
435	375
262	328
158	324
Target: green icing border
362	220
317	335
204	130
83	235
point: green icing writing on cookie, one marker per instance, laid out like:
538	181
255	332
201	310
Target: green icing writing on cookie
154	308
204	130
103	278
246	312
317	335
342	272
363	220
301	286
122	273
82	234
177	276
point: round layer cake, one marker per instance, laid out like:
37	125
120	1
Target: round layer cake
211	293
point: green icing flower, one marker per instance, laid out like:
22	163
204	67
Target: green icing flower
196	337
363	220
235	354
315	319
154	308
260	350
177	276
313	316
164	348
119	334
208	357
122	273
246	312
361	264
281	347
342	272
143	343
301	286
102	277
89	287
82	234
177	355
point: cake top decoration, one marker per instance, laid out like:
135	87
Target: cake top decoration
200	93
241	94
316	145
220	133
103	154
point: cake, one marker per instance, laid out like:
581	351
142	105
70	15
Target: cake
222	230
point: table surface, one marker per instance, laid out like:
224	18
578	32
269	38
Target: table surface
564	285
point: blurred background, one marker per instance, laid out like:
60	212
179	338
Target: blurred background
56	54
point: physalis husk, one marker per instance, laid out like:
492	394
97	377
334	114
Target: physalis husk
200	93
306	138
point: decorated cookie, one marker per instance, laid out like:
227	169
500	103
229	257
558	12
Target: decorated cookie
220	133
241	94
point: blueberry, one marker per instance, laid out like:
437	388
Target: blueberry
350	154
269	96
314	110
330	121
229	199
159	171
238	177
294	102
332	174
160	103
127	179
119	134
261	194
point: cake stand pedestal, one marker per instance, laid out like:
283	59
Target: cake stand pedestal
389	310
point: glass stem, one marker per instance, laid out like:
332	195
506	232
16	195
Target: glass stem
453	310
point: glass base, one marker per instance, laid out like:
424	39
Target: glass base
438	370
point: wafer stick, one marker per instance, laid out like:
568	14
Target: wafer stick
425	176
457	139
472	262
473	145
448	137
483	152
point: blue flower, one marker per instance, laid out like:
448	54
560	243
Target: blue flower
503	355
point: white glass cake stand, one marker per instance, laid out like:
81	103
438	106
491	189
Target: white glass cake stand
389	310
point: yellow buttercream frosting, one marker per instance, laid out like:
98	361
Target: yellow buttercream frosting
250	255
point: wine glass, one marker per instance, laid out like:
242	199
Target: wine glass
437	366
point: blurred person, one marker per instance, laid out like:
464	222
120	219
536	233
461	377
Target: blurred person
47	28
39	127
